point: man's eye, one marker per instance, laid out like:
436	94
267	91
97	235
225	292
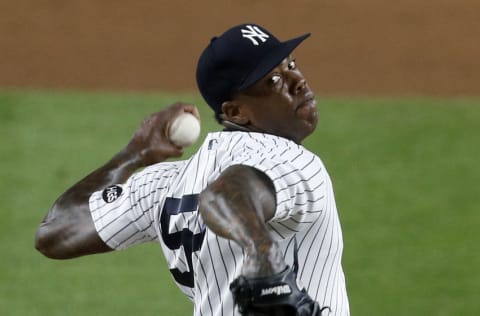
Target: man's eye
275	78
292	65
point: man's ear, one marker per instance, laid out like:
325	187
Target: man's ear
235	112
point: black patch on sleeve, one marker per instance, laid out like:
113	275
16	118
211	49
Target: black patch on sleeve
111	193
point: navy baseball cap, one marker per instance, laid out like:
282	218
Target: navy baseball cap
237	59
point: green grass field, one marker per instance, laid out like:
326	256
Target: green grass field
407	180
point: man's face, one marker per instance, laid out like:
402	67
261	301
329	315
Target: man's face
281	103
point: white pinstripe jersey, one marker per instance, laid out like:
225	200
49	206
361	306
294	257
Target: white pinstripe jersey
160	203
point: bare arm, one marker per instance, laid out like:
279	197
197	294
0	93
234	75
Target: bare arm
236	206
67	230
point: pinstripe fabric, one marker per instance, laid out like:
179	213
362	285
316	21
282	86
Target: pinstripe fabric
158	204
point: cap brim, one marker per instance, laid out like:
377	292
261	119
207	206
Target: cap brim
271	60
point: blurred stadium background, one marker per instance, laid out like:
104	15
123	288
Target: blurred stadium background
398	86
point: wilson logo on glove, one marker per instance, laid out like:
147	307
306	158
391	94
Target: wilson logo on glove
275	294
277	290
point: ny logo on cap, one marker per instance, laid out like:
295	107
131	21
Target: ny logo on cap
253	32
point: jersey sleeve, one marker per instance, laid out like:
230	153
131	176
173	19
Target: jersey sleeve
300	181
124	214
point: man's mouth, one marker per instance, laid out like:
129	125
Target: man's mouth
309	101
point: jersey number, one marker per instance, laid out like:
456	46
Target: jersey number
185	237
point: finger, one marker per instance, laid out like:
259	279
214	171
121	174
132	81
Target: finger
192	109
196	113
176	151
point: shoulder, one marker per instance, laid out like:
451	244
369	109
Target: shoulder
249	141
245	145
271	154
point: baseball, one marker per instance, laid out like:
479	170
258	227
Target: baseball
184	130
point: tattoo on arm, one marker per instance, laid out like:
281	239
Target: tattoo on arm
236	206
67	231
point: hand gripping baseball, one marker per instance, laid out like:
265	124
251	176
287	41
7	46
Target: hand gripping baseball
278	294
151	140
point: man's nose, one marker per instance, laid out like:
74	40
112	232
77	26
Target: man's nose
298	83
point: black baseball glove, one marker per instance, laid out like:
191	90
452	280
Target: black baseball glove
274	295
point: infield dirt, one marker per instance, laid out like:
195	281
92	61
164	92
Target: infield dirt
406	47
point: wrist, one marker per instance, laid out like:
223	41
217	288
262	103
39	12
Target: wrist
134	153
263	259
126	162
